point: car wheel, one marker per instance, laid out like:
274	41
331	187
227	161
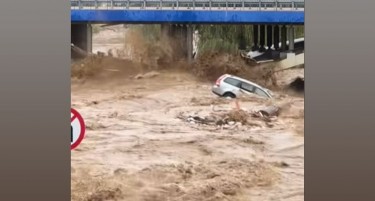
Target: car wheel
229	95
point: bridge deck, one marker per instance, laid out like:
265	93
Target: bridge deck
188	11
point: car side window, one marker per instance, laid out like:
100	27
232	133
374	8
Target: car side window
260	92
232	81
247	87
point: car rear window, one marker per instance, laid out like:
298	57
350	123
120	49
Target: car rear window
232	81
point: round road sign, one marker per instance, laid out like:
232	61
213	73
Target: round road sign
77	129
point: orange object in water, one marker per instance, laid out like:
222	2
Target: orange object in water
237	104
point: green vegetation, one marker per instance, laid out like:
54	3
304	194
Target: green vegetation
224	38
218	38
95	28
230	38
217	45
299	31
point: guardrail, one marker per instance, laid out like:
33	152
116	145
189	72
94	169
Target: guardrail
260	5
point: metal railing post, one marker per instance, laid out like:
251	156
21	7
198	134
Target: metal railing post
260	5
276	5
242	4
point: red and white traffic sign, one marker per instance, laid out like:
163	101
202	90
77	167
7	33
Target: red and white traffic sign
77	129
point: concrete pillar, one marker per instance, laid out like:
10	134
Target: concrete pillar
291	38
81	36
255	38
269	36
183	36
89	38
165	31
262	38
176	37
189	43
241	37
276	37
181	40
283	38
171	29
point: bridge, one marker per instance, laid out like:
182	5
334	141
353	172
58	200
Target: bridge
262	14
188	11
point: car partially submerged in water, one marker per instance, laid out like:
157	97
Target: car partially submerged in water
230	86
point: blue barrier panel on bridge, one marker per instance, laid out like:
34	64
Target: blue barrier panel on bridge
195	17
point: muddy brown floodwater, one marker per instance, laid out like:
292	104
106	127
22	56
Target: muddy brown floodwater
138	149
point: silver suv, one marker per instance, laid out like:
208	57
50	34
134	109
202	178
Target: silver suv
231	86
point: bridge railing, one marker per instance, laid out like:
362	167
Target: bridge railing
260	5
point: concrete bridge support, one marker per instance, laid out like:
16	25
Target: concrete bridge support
180	38
272	35
269	36
283	38
166	31
262	33
276	37
255	37
81	36
291	38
